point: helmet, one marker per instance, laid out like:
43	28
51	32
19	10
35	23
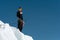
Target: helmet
19	7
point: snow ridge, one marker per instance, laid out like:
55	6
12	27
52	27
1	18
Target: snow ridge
11	33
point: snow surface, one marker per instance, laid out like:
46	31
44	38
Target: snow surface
8	32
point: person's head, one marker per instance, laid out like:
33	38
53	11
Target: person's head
20	9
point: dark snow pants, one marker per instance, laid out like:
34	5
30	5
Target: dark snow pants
20	25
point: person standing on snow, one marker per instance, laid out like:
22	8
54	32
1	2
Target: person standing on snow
20	19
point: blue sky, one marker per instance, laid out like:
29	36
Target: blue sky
42	17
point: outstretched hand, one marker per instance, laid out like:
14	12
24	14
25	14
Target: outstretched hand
23	23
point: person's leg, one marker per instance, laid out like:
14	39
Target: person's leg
20	25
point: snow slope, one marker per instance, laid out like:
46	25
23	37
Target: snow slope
8	32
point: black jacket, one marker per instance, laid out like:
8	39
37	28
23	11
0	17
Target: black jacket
20	16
